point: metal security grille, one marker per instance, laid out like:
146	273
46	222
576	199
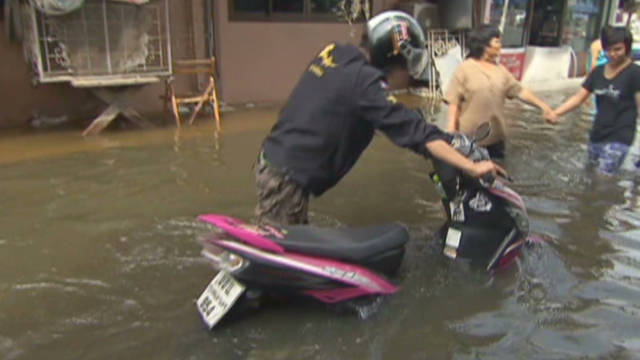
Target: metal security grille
103	43
439	42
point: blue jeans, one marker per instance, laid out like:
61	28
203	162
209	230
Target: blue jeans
607	157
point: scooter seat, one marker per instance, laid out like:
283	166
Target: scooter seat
359	245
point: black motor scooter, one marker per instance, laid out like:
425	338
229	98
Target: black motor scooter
487	221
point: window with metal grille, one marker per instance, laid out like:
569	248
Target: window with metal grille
101	43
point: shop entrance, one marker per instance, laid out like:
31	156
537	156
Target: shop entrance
547	16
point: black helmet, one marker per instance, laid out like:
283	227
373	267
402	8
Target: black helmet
393	36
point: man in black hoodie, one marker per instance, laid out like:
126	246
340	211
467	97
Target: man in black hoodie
333	112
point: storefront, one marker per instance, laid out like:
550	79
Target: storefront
537	27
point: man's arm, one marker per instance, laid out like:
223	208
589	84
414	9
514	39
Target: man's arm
529	97
638	106
595	54
453	98
408	129
453	118
443	151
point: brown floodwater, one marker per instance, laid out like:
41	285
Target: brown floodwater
100	259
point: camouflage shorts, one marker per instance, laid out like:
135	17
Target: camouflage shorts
280	200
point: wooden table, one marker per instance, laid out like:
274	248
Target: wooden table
117	95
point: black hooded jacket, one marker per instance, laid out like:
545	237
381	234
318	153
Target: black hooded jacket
331	116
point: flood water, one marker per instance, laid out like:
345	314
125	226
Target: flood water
100	259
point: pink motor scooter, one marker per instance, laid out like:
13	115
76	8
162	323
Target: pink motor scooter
329	264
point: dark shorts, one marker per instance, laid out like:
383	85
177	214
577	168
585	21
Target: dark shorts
607	157
280	200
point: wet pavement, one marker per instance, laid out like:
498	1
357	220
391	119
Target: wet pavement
99	252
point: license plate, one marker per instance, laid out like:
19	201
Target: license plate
218	298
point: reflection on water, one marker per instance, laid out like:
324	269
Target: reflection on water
99	253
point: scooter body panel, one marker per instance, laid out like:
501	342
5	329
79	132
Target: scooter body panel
272	268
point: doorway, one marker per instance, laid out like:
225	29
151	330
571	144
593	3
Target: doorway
547	17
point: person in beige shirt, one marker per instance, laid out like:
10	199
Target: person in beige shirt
479	87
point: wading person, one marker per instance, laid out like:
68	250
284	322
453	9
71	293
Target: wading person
333	112
479	87
616	86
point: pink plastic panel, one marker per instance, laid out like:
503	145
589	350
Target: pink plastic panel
352	275
242	231
336	295
509	195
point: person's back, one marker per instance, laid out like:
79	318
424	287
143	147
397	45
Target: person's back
331	116
332	113
319	124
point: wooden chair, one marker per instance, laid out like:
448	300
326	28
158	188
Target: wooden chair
210	95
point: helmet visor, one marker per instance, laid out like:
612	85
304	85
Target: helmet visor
417	61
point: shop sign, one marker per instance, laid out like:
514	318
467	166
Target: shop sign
513	60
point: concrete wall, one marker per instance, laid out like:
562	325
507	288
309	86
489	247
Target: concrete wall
261	61
19	99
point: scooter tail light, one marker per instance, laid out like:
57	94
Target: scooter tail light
222	259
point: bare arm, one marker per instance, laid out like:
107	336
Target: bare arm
529	97
453	124
573	102
454	96
441	150
638	106
594	60
595	54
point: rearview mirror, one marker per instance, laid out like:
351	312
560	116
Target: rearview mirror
481	132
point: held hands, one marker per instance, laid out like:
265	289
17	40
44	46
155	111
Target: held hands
550	116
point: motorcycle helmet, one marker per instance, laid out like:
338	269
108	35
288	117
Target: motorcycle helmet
395	37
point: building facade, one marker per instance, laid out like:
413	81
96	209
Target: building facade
24	98
261	47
